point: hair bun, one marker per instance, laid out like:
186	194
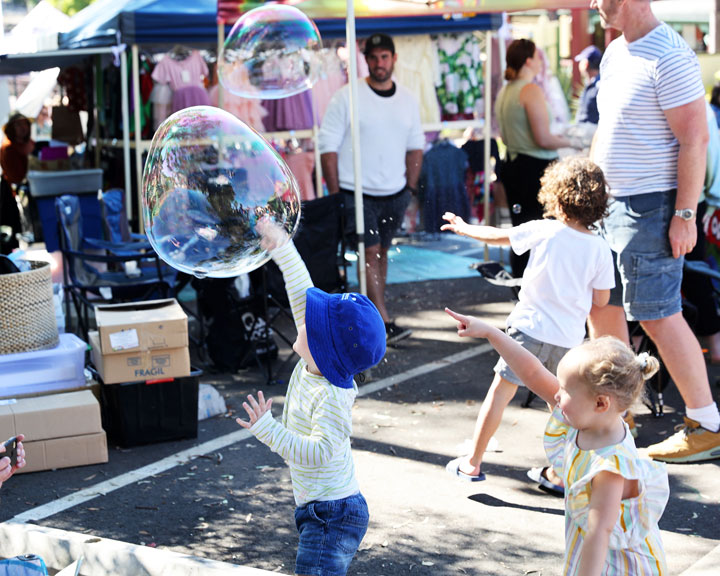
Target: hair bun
649	365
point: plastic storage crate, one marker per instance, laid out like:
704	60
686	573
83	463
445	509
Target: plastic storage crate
59	368
140	413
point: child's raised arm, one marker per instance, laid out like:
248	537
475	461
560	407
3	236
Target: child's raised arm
297	279
487	234
528	368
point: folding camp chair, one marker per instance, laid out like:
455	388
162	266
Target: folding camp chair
85	279
320	241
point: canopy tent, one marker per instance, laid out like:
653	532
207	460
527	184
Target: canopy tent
162	22
230	10
154	22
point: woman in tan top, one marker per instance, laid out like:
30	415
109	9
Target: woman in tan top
524	117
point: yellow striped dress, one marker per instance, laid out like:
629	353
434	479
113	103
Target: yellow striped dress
313	436
635	547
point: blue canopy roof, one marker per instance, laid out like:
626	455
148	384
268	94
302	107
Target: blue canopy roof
148	22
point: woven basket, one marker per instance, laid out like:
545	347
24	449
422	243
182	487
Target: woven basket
27	311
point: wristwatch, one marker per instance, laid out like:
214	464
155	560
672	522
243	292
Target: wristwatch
686	214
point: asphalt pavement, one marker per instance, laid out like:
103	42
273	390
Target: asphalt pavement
227	497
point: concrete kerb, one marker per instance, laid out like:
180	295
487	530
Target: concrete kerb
706	566
102	556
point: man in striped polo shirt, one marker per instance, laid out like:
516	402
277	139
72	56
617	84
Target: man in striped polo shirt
651	143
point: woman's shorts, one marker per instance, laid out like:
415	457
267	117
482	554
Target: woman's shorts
549	354
647	277
330	534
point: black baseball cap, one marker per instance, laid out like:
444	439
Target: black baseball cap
379	41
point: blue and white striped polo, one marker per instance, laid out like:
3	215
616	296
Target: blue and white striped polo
634	144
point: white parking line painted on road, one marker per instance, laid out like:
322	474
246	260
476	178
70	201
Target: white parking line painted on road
424	369
103	488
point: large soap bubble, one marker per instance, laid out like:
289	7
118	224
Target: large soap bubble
208	179
271	52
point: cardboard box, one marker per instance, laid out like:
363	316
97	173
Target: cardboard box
139	365
65	452
136	326
50	417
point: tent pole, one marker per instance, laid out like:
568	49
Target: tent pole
220	44
98	95
126	132
138	129
487	129
355	135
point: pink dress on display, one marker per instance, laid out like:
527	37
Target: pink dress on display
185	78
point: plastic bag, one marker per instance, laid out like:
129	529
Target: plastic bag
25	565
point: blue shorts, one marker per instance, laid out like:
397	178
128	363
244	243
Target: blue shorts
549	354
647	277
383	216
330	534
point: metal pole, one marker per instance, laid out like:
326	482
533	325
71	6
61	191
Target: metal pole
355	135
221	43
487	129
138	130
126	132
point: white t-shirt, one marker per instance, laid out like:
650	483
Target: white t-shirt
634	145
565	267
389	127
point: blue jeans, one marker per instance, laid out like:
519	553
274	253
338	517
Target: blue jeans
330	534
647	277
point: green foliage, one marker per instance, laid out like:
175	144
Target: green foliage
69	7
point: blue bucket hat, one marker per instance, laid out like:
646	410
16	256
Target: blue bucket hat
346	334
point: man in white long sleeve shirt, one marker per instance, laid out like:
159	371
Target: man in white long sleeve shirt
391	142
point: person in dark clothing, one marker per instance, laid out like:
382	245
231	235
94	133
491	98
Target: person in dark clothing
589	64
14	151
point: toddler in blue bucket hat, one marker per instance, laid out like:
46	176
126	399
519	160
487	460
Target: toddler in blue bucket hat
339	336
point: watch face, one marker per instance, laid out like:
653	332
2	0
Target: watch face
685	213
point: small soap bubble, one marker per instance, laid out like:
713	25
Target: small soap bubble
207	181
271	52
516	208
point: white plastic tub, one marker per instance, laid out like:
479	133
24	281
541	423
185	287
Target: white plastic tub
55	183
59	368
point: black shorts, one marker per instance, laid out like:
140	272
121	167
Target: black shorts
383	217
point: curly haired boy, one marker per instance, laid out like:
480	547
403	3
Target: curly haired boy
570	269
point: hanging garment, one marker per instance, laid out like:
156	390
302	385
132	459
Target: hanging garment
74	81
442	184
291	113
332	77
248	110
185	78
302	165
418	69
461	75
161	98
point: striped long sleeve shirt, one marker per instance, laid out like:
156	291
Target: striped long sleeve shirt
313	436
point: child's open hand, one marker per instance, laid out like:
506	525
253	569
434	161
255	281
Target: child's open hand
255	409
272	235
469	326
456	224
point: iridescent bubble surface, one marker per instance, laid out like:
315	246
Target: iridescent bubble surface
207	180
271	52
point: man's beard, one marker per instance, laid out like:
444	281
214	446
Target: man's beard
385	75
